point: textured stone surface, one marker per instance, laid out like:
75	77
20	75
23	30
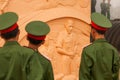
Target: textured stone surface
57	13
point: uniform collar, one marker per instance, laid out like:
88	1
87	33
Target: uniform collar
36	50
10	43
100	40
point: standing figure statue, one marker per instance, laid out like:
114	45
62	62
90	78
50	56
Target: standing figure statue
105	8
66	48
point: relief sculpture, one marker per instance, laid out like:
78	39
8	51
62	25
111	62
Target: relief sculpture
70	30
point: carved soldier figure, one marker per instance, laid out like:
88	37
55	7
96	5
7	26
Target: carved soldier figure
65	47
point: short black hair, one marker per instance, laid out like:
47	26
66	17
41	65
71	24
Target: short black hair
100	32
34	41
11	34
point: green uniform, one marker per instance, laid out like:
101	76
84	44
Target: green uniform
19	63
13	61
100	61
37	30
16	62
46	67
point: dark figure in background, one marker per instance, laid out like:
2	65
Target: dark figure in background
100	60
93	4
112	36
105	8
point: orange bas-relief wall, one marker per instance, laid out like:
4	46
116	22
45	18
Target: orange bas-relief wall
69	22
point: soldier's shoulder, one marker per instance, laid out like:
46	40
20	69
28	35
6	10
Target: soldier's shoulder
28	49
89	47
0	47
44	57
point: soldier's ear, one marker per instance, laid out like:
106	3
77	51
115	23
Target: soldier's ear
93	31
18	32
43	41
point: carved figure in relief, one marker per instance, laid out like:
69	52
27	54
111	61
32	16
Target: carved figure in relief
65	47
48	4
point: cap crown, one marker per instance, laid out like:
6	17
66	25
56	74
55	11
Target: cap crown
37	28
7	20
101	20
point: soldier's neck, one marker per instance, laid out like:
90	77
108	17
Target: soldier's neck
99	37
12	39
35	47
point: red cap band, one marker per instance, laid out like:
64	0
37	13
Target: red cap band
37	37
98	27
9	29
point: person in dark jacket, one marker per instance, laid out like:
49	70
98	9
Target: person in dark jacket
112	36
100	60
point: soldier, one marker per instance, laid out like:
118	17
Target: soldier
15	59
37	31
100	60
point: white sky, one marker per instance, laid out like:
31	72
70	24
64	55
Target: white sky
115	8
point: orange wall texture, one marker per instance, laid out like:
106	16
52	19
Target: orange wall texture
62	47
